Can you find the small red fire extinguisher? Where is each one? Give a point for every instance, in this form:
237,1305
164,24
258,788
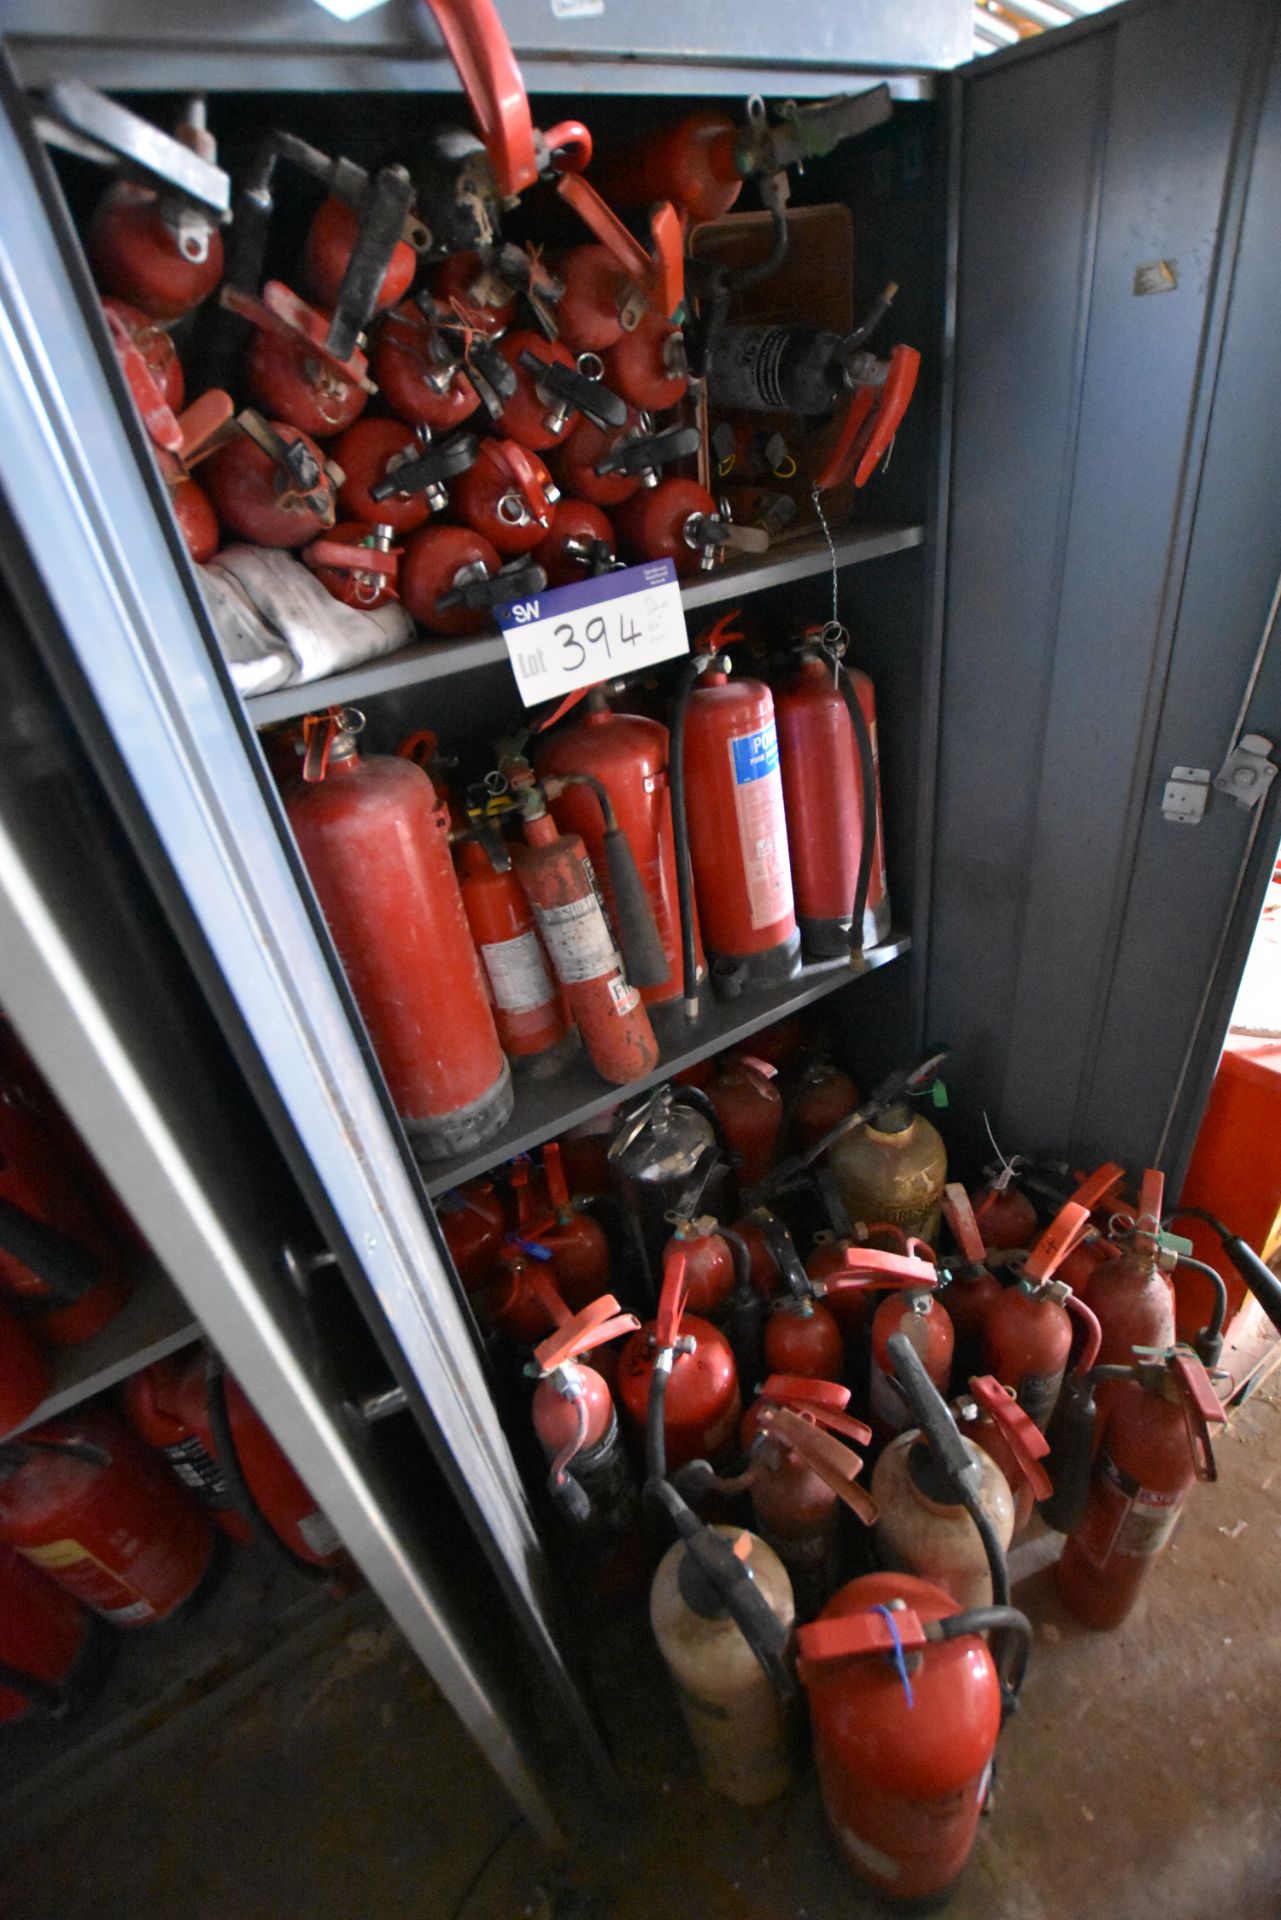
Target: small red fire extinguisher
972,1290
154,248
589,1475
506,496
907,1698
1133,1296
419,375
271,484
292,373
553,387
822,1097
85,1501
51,1651
56,1287
392,474
750,1110
529,1010
988,1414
189,1409
451,579
610,465
731,829
1029,1330
1006,1217
678,1384
376,845
678,520
473,1221
577,1243
649,366
331,241
1156,1446
579,544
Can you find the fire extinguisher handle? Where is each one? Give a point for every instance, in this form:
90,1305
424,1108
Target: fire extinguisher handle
783,1247
480,50
598,403
514,582
652,451
1024,1438
871,421
955,1459
444,461
660,275
382,222
1058,1240
960,1217
1098,1185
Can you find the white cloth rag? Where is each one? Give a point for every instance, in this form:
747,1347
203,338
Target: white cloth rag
277,626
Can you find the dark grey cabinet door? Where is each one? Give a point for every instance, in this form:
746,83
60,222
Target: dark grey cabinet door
1114,539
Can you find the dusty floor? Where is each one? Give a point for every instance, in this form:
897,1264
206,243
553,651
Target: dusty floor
1140,1780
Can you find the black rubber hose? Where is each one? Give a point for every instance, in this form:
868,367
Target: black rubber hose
655,1418
1015,1631
1199,1213
1209,1342
867,769
991,1546
741,1255
680,830
1257,1274
747,1311
65,1267
229,1461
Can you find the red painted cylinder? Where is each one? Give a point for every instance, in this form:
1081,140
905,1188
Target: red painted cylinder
1028,1339
463,280
376,845
629,755
437,560
804,1339
252,498
116,1531
519,1305
738,829
614,1025
667,522
574,463
506,496
167,1405
1006,1218
156,348
35,1177
473,1221
331,241
904,1775
44,1634
192,509
25,1374
691,163
371,451
782,1044
766,1277
289,382
528,1009
578,542
577,1243
750,1110
409,376
848,1306
824,1097
702,1409
589,312
536,422
709,1269
924,1320
648,367
824,800
1134,1302
1080,1266
135,255
971,1297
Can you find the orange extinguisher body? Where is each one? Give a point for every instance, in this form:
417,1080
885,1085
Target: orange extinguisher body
135,254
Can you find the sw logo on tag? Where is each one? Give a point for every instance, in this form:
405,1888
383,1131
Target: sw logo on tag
521,611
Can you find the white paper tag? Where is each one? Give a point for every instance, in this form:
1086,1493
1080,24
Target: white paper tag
576,636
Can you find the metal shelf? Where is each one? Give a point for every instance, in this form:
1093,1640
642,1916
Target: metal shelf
427,660
546,1108
156,1321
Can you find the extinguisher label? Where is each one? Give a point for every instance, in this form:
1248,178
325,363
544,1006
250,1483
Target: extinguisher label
1124,1518
762,826
83,1574
517,973
1038,1394
199,1472
578,940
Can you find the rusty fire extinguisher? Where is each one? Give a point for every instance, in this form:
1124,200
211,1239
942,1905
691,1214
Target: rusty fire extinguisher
907,1698
731,829
1156,1446
1133,1296
629,755
557,876
678,1384
971,1290
827,751
1029,1330
988,1414
376,845
529,1010
88,1504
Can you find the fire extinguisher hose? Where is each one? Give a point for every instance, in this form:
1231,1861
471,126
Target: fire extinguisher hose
565,1490
1257,1274
638,935
867,771
1209,1342
1013,1649
680,825
229,1461
656,1415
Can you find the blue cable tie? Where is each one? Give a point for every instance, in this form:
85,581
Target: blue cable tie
533,1247
900,1660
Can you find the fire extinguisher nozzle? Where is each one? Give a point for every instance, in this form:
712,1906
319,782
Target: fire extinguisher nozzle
646,962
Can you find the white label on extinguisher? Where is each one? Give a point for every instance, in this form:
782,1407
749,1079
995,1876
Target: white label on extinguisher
578,940
317,1529
762,825
517,973
574,636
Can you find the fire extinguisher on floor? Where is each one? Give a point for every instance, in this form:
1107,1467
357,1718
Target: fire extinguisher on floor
1029,1330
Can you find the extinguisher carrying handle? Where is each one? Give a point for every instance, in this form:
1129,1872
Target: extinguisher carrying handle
1052,1249
569,1494
440,463
660,276
480,50
868,1267
66,1268
651,451
783,1247
599,404
284,314
1011,1644
514,582
382,223
1023,1437
871,421
1095,1188
960,1217
835,1464
591,1326
729,1578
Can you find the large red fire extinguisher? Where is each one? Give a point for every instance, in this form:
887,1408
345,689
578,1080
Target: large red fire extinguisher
1133,1296
1156,1446
529,1011
731,829
630,756
558,882
828,758
50,1651
906,1698
189,1409
376,845
750,1109
589,1475
1029,1330
85,1501
678,1384
972,1289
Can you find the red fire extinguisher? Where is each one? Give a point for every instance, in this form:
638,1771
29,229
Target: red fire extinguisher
988,1414
473,1221
920,1316
750,1109
376,845
678,520
85,1502
418,373
800,1474
218,1448
61,1290
649,366
159,354
292,374
607,465
554,871
552,389
270,484
1006,1217
574,1418
597,299
390,474
506,496
709,1267
827,756
906,1698
803,1338
50,1653
578,544
685,1365
523,1303
577,1243
451,579
1133,1296
629,755
820,1100
1029,1330
1156,1446
529,1010
972,1289
469,283
731,830
331,241
153,249
356,563
1097,1192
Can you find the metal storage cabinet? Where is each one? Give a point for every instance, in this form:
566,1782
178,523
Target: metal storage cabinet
1069,590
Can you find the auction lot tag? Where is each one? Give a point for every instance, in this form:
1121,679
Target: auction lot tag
576,636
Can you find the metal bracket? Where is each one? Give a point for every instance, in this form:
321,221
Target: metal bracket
1185,796
1247,773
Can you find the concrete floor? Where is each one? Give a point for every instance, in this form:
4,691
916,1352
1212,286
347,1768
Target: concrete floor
1138,1781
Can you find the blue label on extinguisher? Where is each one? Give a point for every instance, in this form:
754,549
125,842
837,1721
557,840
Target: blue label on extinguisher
755,755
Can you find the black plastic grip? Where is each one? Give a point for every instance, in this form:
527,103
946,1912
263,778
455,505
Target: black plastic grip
599,404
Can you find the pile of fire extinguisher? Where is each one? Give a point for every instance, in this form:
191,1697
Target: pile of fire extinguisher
756,1235
114,1523
582,894
429,409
